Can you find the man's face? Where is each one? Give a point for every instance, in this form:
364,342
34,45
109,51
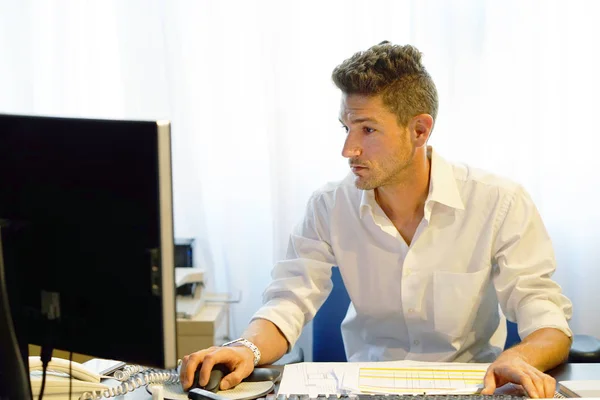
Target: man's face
379,151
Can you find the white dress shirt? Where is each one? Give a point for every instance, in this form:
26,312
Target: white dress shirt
481,244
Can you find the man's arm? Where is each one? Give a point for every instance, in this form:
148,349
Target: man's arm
525,261
524,363
544,349
268,338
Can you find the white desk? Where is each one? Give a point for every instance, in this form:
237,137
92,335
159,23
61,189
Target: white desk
566,371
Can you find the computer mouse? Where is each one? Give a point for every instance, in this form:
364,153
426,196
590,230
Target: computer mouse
218,372
263,374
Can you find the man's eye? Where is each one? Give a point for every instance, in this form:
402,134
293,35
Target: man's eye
368,130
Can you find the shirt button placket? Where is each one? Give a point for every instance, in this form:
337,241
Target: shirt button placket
410,299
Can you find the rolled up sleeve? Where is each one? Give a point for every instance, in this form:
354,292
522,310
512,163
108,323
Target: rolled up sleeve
300,283
524,264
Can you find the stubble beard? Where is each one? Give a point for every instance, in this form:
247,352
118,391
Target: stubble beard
395,175
364,183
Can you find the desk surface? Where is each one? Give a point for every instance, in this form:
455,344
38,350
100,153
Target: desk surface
567,372
563,372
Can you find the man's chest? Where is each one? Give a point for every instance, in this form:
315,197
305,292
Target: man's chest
375,259
407,229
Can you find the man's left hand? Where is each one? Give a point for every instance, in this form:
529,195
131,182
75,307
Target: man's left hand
514,369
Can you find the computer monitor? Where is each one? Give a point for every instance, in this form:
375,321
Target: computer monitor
87,236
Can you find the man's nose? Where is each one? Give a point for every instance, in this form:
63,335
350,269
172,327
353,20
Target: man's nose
351,148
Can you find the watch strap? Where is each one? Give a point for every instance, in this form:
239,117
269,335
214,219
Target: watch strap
248,344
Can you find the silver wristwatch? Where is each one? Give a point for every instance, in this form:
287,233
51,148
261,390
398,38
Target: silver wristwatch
248,344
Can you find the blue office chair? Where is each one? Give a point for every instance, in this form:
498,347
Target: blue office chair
327,336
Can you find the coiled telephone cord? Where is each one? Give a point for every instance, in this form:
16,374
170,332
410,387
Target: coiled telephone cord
141,378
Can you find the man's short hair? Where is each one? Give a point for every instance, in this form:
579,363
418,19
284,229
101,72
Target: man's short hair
396,73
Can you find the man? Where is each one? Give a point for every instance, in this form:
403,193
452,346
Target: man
427,249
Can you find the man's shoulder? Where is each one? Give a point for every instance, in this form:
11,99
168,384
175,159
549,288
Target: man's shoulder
471,177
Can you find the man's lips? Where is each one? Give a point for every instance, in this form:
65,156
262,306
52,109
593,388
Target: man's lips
356,168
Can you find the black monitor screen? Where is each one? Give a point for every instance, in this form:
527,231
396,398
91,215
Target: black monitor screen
87,235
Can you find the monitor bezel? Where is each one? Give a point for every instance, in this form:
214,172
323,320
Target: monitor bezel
167,243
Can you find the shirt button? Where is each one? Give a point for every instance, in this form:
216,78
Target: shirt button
411,310
416,342
407,272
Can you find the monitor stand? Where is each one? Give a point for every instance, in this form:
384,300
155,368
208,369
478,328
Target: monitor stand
14,379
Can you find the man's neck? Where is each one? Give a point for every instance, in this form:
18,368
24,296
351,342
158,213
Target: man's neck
405,201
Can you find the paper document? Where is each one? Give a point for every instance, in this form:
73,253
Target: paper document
419,378
316,378
404,377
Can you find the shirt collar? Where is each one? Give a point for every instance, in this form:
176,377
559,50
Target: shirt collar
442,188
367,201
442,183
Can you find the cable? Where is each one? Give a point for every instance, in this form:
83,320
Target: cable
146,377
45,356
43,381
51,312
70,374
128,372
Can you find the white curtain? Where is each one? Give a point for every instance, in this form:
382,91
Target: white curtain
247,87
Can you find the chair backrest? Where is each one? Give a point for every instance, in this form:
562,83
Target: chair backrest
512,334
327,335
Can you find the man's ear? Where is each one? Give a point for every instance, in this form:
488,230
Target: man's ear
420,127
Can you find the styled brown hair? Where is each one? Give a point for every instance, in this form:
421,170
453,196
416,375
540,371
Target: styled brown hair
396,73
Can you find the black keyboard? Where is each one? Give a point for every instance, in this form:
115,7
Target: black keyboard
404,397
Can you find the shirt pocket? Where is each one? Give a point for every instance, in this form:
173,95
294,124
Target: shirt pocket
455,298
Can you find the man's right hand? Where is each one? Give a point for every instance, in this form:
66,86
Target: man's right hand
238,359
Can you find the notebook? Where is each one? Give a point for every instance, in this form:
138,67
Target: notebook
589,388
